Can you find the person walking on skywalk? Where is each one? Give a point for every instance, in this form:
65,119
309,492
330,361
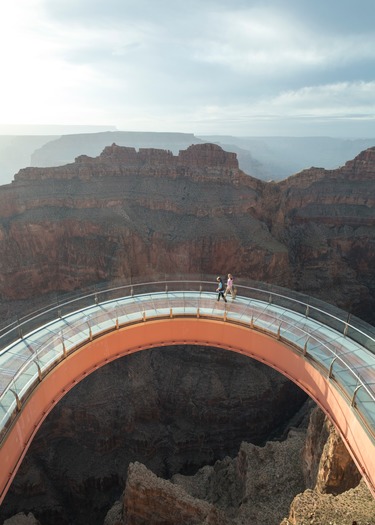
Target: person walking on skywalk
220,289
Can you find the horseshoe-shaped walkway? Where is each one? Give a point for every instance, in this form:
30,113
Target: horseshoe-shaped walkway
329,356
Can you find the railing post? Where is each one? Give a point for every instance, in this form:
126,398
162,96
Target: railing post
330,368
170,313
117,325
144,316
252,322
40,377
198,313
307,311
270,299
19,405
19,329
347,325
64,348
96,298
305,347
354,395
278,332
90,331
166,288
200,289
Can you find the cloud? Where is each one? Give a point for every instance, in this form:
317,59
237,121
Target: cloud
149,65
271,43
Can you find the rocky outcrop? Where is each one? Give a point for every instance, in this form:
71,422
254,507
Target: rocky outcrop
337,471
336,494
22,519
354,507
328,466
316,438
152,500
257,486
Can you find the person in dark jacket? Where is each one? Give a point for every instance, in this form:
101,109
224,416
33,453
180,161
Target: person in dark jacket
220,289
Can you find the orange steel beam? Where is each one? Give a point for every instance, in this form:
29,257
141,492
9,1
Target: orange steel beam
180,331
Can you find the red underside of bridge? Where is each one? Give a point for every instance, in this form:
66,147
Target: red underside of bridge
180,331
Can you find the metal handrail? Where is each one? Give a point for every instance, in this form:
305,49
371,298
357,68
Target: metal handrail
308,335
94,294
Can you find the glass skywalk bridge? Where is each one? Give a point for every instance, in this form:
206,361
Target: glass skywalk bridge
319,333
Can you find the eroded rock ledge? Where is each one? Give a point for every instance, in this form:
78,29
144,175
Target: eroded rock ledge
257,486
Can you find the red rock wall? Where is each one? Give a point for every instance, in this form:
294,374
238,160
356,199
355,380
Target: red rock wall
126,214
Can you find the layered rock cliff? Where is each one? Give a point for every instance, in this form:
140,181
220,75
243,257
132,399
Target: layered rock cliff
131,213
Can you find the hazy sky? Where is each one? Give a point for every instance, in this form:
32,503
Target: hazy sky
240,67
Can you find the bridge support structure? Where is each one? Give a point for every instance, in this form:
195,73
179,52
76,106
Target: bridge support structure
168,331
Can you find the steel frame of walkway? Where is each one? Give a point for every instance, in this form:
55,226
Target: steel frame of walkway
47,354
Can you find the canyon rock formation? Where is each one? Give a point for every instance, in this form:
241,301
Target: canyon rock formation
257,486
335,493
147,214
127,214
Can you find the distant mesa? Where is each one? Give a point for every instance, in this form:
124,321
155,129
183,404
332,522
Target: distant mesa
119,160
266,158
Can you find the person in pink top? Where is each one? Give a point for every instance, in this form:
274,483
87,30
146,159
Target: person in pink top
229,288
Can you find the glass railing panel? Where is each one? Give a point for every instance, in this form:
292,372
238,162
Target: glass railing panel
76,305
102,319
121,308
8,400
289,304
8,405
237,316
327,320
365,404
13,361
49,353
344,376
359,365
18,346
366,340
363,356
25,378
293,334
69,336
319,352
103,326
263,323
124,307
6,378
4,417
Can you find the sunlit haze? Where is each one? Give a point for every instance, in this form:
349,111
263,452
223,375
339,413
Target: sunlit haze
240,67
